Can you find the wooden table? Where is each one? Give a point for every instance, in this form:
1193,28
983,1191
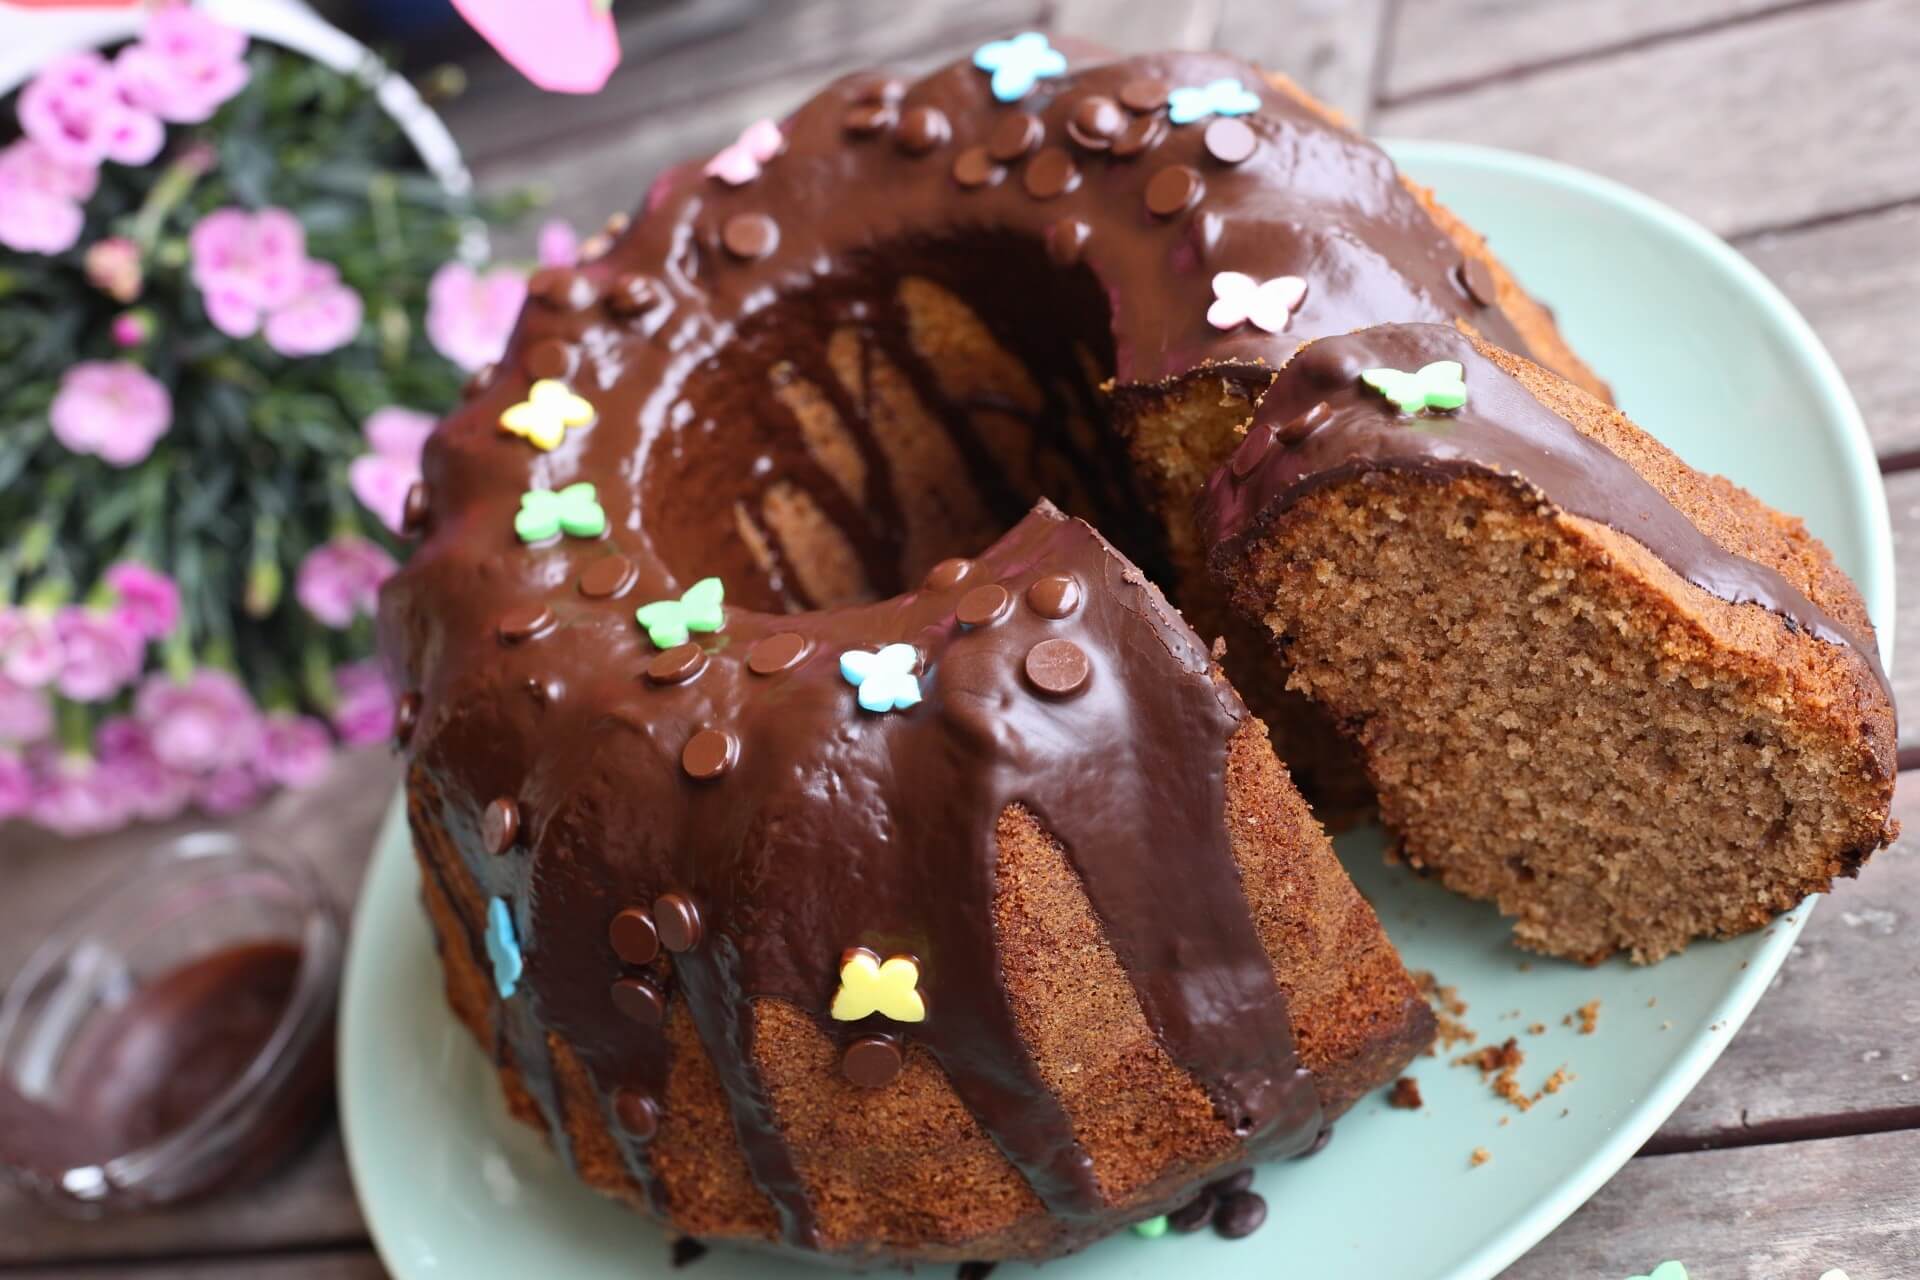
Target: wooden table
1792,127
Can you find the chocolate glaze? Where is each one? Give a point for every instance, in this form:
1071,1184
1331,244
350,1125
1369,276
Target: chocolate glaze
836,827
1297,447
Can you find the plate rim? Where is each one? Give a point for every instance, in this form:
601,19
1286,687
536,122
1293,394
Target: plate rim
1729,1012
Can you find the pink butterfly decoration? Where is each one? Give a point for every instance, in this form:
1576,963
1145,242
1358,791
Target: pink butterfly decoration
1269,304
740,163
563,46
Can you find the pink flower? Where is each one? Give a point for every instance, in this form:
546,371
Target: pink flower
145,600
113,267
559,246
382,478
154,792
99,654
363,712
73,108
295,750
16,786
74,796
247,264
202,724
112,408
184,65
29,647
39,198
341,578
323,316
470,316
132,328
228,791
25,717
564,46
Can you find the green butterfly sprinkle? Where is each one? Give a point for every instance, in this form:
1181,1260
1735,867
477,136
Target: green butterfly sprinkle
668,622
1152,1227
1440,385
1665,1271
574,510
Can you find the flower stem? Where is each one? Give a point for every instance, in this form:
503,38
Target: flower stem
175,182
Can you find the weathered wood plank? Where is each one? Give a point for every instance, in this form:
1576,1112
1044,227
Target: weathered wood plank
1858,283
1903,502
1798,115
349,1264
1437,43
1836,1041
1131,27
1757,1213
1330,47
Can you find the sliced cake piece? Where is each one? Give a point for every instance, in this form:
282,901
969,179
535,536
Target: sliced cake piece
1628,702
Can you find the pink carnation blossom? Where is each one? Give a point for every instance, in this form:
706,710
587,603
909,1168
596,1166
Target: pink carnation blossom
112,408
40,195
381,479
25,717
184,65
99,654
74,109
146,600
228,791
16,786
323,316
559,244
470,316
341,578
29,647
247,264
363,713
295,750
132,328
113,267
73,795
153,791
202,724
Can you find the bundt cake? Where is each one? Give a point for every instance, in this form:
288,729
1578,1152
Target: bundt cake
841,853
1629,703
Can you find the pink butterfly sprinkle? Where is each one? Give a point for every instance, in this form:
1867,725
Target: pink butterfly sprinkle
740,163
1269,304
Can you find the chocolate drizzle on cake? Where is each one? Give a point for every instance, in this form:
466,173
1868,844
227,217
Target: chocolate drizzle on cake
1502,430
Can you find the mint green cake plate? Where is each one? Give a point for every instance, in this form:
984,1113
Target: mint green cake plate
1704,353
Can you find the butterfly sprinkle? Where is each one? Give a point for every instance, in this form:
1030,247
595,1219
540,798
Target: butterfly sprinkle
740,162
503,948
1440,386
1018,64
1267,304
573,510
885,680
543,417
868,985
1224,97
670,622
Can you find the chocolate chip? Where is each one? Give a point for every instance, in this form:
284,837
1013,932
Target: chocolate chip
948,574
1145,94
562,288
524,623
1192,1216
1240,1215
1476,278
500,826
478,381
1252,450
607,577
640,1000
1050,173
708,754
687,1251
872,89
975,168
638,1114
1096,121
1067,240
872,1062
680,663
983,604
406,718
678,921
633,936
868,119
1232,1183
1141,134
413,516
1302,425
1054,596
1015,135
1058,668
775,653
631,294
1229,140
1172,189
550,358
750,235
922,129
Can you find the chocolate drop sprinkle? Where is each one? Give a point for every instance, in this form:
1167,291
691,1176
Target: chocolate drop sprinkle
633,937
1050,174
672,666
500,826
